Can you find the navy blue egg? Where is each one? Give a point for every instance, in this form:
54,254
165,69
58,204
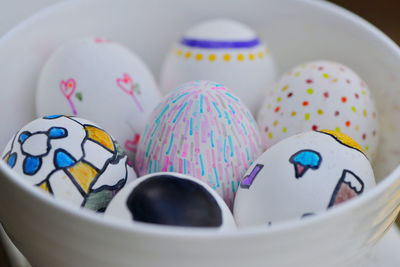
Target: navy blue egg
170,200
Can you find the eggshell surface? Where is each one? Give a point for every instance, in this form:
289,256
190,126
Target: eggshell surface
70,158
320,95
226,51
203,130
301,176
171,199
101,81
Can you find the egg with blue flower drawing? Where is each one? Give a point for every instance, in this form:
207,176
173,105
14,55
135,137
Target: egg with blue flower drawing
226,51
301,176
201,129
70,158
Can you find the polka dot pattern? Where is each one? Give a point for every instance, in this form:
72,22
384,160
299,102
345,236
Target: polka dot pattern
320,95
193,54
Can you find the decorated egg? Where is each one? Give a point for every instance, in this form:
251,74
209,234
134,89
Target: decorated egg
171,199
226,51
320,95
101,81
70,158
203,130
301,176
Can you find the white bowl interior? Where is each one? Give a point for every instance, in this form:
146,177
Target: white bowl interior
295,31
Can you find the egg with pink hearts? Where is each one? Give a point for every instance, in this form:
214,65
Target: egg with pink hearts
102,81
320,95
301,176
70,158
226,51
171,199
201,129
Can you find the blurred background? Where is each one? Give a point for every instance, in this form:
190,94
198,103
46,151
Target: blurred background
383,14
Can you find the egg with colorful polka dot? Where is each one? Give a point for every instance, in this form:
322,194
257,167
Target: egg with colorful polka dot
320,95
302,176
226,51
70,158
102,81
201,129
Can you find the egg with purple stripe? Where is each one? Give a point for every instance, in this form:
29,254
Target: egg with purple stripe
203,130
226,51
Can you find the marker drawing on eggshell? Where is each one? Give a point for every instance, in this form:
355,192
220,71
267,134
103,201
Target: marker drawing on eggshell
248,179
131,144
68,88
304,160
349,186
127,85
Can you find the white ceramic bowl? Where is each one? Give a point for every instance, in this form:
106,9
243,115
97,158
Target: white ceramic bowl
55,234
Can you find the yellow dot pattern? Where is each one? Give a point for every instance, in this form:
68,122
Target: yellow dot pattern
252,56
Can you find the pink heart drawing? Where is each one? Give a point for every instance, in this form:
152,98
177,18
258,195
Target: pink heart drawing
126,84
68,87
131,145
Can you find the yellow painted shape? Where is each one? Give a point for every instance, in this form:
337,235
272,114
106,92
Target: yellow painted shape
353,108
297,74
212,57
307,116
227,57
325,75
83,174
251,56
199,57
320,112
100,136
188,54
310,91
270,135
284,129
293,113
179,52
285,88
344,139
275,123
44,187
260,55
240,57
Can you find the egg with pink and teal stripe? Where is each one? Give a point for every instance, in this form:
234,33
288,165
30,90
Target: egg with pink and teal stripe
203,130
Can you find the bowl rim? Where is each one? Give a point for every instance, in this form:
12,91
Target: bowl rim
198,233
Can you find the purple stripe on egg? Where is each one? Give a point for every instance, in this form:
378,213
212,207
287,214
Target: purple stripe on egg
209,44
